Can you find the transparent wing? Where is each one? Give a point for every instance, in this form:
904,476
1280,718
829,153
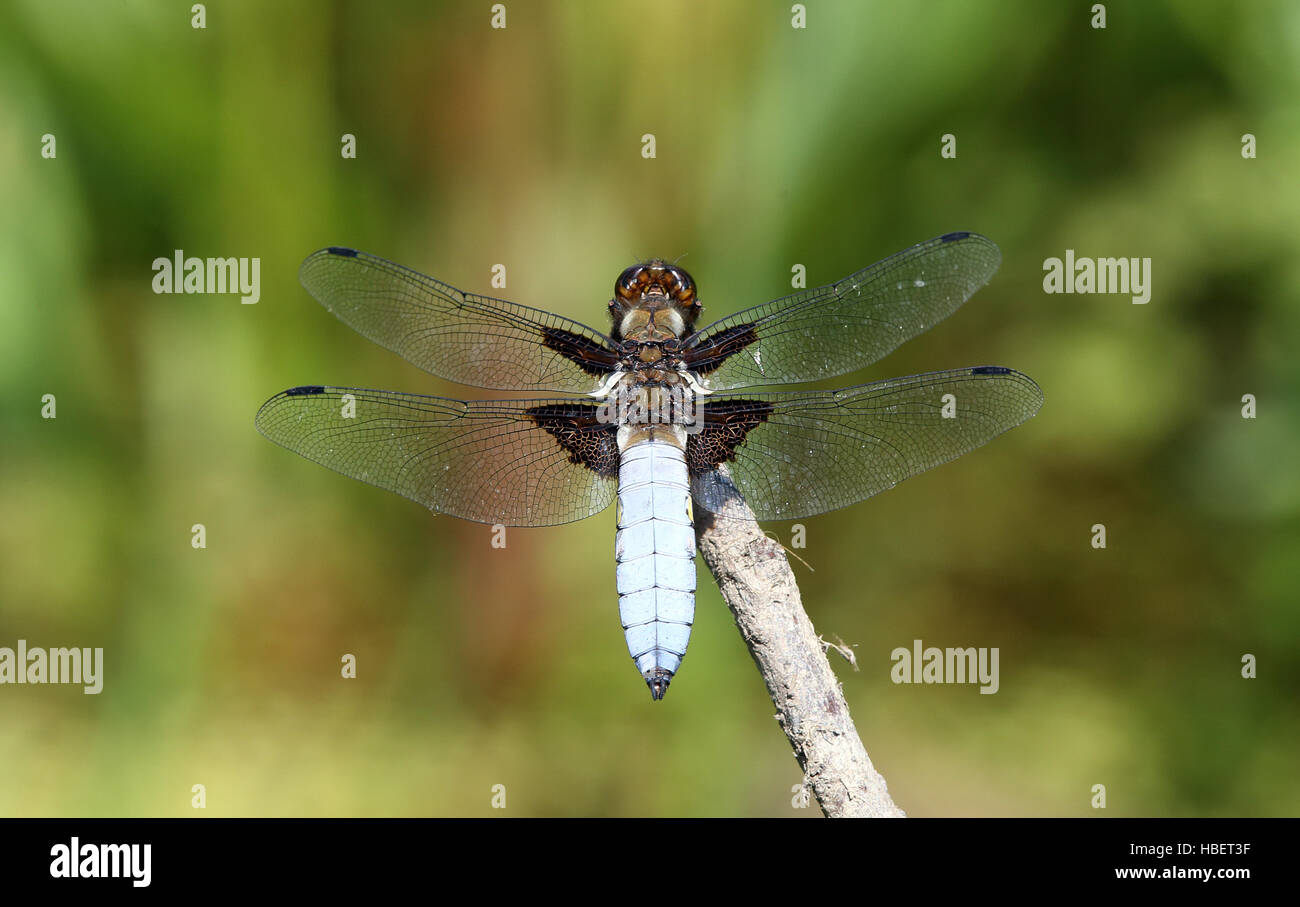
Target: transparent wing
515,462
458,336
794,455
842,327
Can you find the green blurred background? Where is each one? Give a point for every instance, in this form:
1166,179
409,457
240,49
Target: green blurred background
521,146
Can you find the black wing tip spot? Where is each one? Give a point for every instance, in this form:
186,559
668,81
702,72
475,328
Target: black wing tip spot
306,390
342,251
1029,384
953,237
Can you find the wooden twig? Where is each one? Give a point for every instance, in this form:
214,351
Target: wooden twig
758,585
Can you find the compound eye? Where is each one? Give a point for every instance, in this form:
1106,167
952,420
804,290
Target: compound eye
629,282
683,286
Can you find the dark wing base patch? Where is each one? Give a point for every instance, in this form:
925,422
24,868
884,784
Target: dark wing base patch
726,424
593,358
575,427
710,354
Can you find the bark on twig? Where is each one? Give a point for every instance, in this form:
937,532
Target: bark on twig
758,585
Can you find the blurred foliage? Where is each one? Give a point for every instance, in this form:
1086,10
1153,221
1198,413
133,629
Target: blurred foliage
522,146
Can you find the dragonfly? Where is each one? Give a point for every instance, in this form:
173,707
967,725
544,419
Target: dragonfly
654,413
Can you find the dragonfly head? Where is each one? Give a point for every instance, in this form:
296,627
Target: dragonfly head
654,299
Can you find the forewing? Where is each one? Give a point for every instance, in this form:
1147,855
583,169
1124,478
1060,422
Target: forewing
794,455
842,327
514,462
454,335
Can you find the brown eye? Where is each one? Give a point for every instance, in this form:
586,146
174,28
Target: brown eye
626,285
683,285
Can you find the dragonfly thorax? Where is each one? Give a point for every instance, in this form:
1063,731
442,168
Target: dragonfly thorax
666,410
